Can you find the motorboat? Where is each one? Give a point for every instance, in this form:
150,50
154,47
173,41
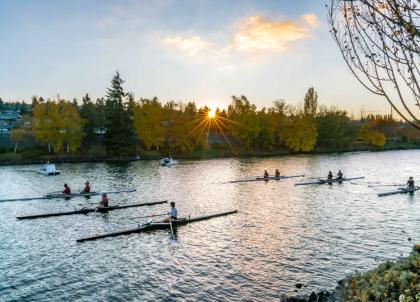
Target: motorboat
49,169
167,161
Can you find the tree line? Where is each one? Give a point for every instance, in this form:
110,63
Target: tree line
118,125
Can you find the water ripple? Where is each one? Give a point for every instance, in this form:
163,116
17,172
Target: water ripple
283,234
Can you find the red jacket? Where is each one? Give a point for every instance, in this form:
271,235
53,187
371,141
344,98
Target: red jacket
104,201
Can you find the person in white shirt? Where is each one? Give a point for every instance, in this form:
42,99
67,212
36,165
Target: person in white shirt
173,214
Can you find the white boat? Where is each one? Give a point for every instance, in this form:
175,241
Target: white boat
49,169
167,161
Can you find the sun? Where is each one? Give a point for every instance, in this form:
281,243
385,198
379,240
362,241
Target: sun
211,113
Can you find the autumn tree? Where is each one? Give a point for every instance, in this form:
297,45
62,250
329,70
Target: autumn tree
310,103
148,116
244,122
119,136
373,138
16,135
46,124
300,134
57,124
266,138
185,127
71,128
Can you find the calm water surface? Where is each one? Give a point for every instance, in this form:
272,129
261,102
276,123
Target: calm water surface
283,234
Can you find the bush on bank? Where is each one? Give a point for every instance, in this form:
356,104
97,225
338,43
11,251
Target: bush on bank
390,281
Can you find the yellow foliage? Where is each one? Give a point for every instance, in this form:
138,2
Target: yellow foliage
300,134
373,138
57,124
147,123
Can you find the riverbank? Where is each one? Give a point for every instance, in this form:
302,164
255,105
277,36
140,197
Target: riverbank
38,156
390,281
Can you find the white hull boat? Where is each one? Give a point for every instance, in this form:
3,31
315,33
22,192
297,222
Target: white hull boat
167,162
49,169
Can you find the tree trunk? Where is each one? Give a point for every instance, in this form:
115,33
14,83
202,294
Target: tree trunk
49,148
68,148
16,146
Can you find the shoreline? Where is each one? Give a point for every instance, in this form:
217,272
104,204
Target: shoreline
389,281
60,159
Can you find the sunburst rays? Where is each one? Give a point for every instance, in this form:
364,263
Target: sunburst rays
210,121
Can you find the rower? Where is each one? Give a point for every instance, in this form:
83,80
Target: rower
173,214
410,183
340,175
87,188
330,176
66,189
266,174
104,201
277,173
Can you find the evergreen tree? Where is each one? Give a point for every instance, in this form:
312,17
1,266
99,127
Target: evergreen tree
24,108
100,115
87,112
119,136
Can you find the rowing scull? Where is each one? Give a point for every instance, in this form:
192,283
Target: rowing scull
324,181
400,191
156,226
86,211
261,178
66,196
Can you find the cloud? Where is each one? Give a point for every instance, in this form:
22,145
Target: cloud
258,33
311,19
190,46
253,34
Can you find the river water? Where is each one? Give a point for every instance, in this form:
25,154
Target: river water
282,235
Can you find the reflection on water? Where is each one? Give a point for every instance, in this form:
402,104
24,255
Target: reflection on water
283,234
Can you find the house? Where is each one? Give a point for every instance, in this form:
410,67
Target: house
8,121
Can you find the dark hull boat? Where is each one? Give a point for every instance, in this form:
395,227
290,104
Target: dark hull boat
86,211
156,226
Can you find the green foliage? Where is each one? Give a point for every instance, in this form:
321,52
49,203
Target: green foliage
335,129
300,134
96,152
112,124
244,121
390,281
310,103
187,128
88,113
119,135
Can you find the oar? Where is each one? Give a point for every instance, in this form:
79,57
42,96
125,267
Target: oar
149,216
393,185
173,241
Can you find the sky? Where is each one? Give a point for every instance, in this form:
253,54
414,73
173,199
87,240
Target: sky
186,50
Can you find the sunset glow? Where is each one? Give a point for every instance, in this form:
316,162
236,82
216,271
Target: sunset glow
211,113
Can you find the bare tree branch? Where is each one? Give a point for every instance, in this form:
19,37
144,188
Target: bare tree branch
380,42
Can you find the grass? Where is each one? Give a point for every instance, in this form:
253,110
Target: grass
390,281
